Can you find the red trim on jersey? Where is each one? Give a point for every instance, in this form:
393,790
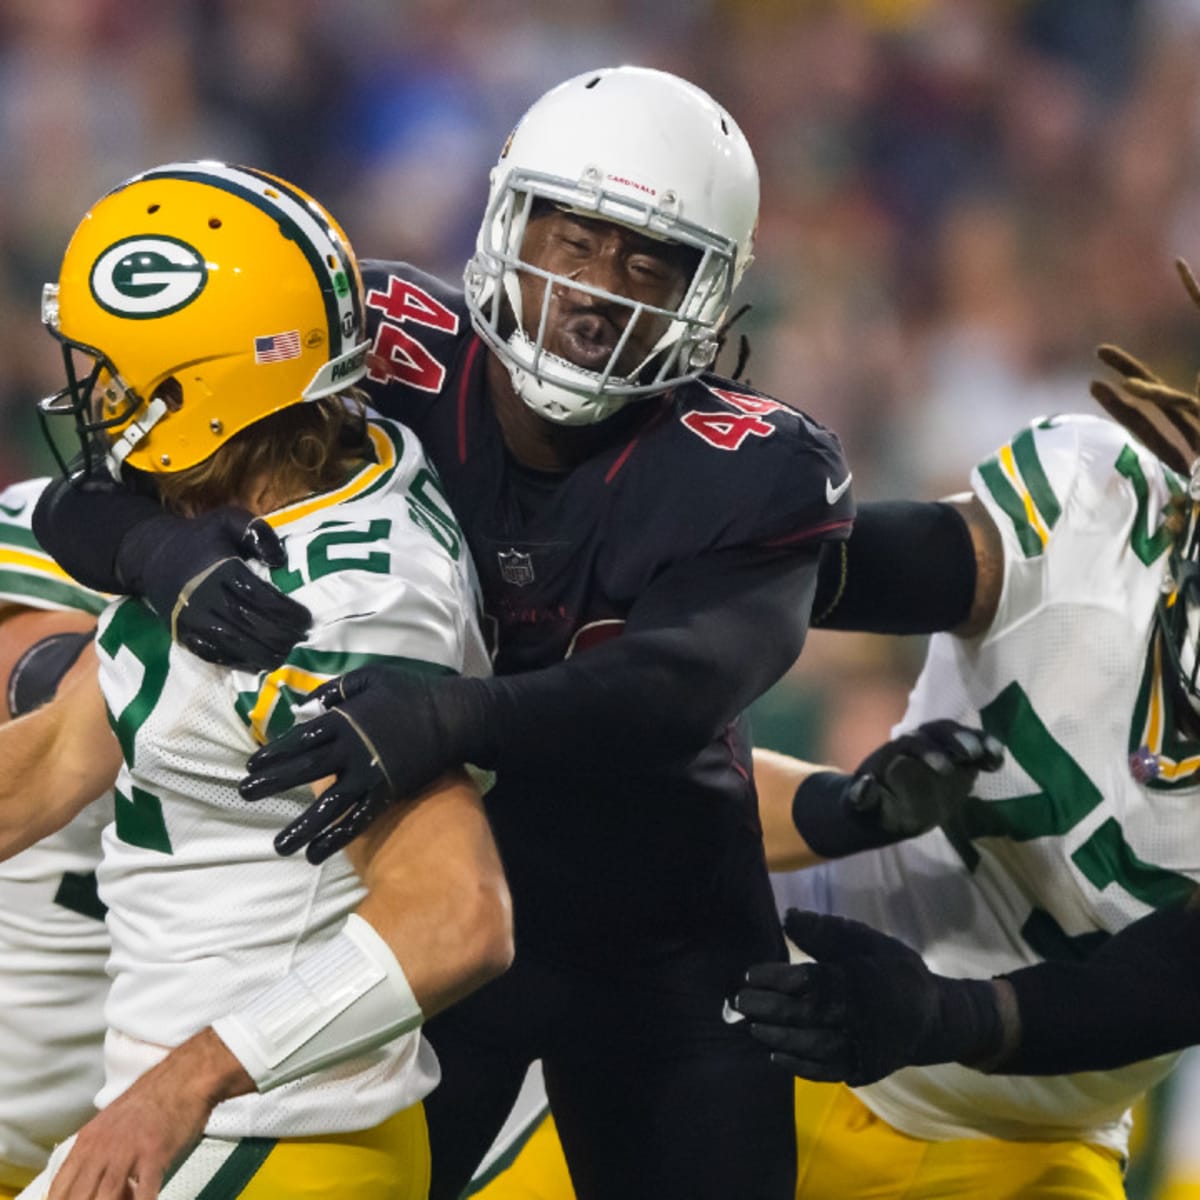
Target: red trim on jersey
805,534
727,738
472,354
622,458
608,475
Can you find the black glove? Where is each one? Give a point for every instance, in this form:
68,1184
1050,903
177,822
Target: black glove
866,1008
902,789
388,734
190,571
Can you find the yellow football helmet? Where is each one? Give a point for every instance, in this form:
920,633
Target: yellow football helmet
195,299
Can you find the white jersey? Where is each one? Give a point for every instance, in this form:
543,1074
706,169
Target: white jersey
204,915
53,944
1062,846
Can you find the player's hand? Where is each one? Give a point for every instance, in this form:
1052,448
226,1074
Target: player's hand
128,1147
918,780
1165,418
386,735
190,571
867,1007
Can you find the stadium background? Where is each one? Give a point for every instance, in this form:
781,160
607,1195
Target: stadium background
961,198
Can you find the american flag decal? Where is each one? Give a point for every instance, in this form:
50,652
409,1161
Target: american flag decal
277,347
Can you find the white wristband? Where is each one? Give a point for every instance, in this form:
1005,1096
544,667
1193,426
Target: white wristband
348,998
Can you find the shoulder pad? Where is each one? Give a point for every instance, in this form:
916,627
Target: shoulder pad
786,473
1028,483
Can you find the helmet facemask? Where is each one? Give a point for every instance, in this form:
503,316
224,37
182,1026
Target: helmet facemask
96,400
561,390
642,150
1177,614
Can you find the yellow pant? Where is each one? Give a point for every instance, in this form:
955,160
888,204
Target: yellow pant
844,1150
388,1162
538,1172
1178,1187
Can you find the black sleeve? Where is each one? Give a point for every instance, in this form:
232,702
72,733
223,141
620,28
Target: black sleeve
81,524
908,567
708,637
1136,997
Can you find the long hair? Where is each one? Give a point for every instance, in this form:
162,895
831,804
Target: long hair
304,448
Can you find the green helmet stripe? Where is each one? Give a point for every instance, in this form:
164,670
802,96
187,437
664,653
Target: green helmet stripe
298,222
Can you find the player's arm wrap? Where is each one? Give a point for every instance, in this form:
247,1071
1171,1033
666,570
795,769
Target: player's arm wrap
83,525
1136,997
37,673
908,567
347,999
705,639
829,823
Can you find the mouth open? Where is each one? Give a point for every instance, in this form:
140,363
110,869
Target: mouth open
587,340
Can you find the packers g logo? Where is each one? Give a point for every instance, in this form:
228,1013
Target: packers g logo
147,276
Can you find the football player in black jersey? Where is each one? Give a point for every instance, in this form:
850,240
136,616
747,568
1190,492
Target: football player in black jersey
647,535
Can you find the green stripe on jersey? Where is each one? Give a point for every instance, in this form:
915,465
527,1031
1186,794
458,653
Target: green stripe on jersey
1025,453
19,584
1005,495
338,662
19,535
1146,545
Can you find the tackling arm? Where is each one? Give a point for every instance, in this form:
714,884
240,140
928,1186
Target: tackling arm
869,1005
708,637
913,567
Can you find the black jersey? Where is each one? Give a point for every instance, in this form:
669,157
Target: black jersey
697,479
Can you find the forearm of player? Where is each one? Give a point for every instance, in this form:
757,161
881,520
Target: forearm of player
776,778
913,567
57,760
436,891
1136,997
436,923
706,639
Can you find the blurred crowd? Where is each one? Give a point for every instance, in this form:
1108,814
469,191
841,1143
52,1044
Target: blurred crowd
961,198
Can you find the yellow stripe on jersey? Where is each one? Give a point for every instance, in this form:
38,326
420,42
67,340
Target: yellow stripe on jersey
288,676
30,560
1009,463
386,459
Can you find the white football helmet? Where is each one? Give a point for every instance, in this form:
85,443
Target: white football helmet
641,148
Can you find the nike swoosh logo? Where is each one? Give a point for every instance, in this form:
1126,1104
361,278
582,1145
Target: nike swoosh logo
14,510
730,1015
834,494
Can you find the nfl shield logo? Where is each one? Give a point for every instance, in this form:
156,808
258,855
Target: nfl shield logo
515,568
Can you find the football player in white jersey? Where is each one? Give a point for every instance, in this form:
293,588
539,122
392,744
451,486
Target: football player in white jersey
262,1022
1079,860
53,943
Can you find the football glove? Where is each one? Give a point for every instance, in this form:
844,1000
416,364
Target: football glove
1164,418
867,1007
190,571
385,735
900,790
